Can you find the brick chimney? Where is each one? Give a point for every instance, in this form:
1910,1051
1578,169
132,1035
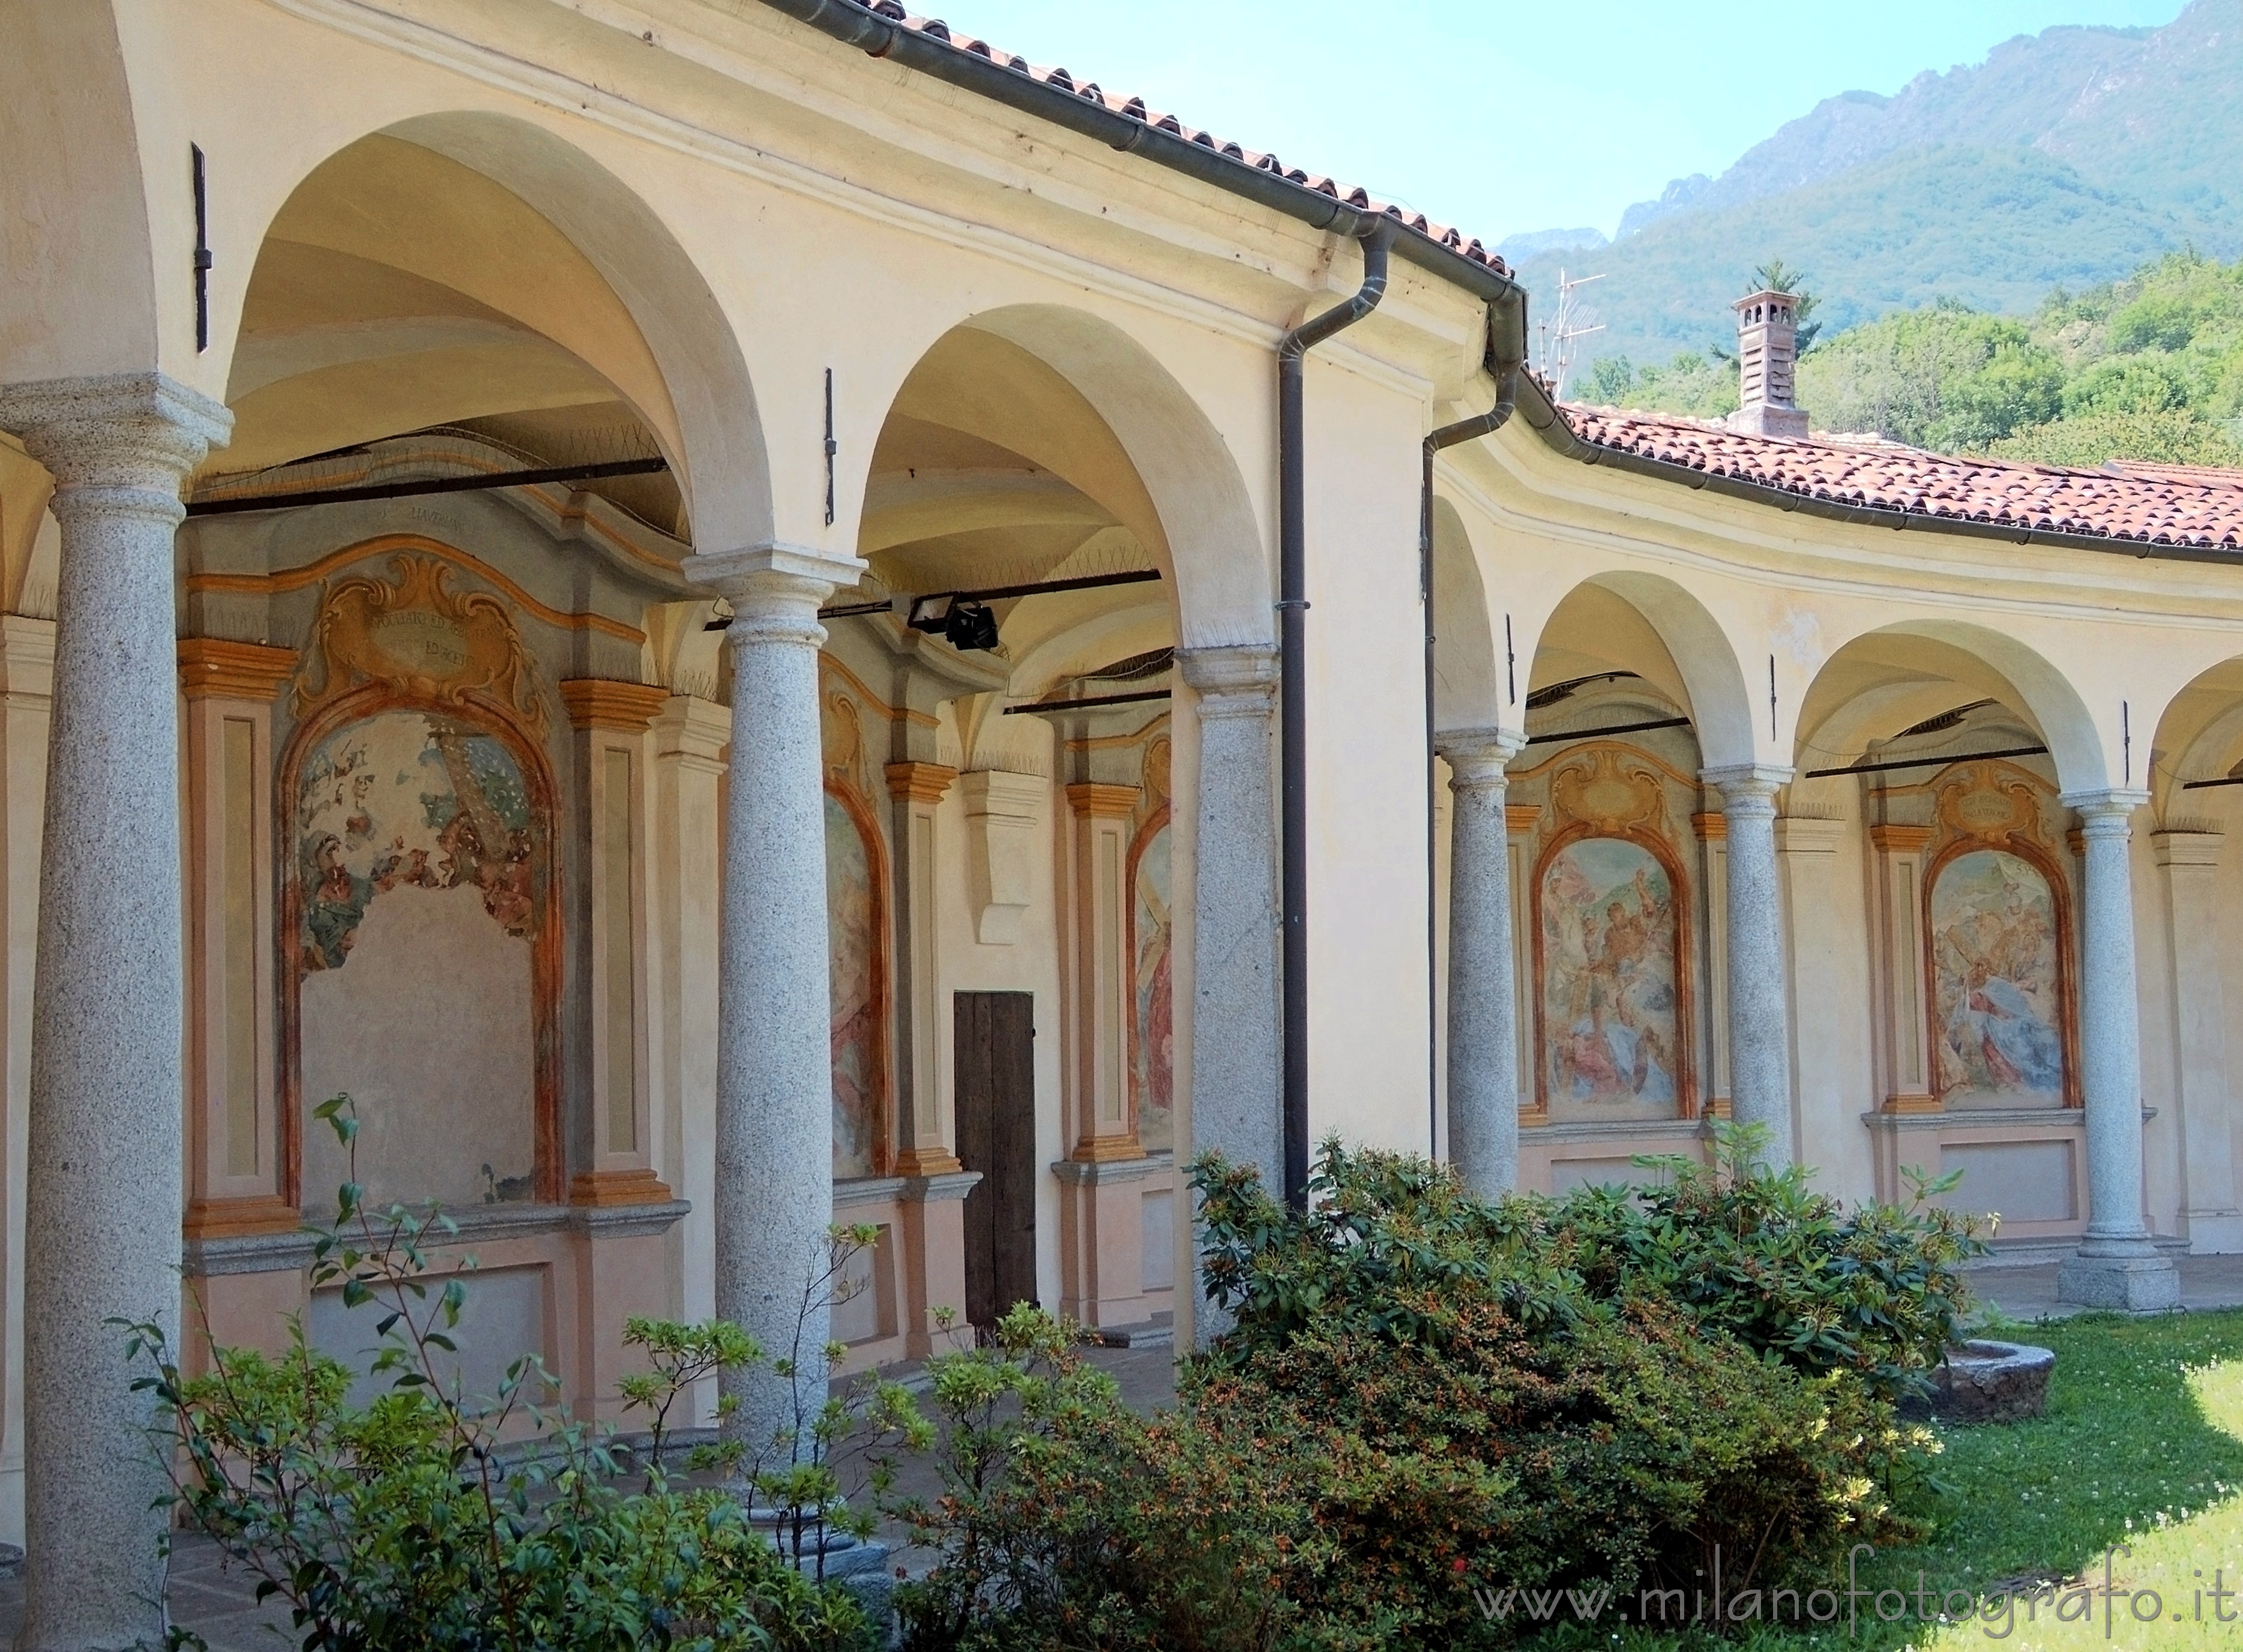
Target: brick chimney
1767,353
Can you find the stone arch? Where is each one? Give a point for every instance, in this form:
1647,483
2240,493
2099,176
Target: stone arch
1177,487
1471,670
1916,669
2199,738
81,298
1703,661
682,369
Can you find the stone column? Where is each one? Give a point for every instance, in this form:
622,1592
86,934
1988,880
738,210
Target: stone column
1759,1041
2117,1266
102,1207
774,1169
1483,1002
2191,861
1236,1034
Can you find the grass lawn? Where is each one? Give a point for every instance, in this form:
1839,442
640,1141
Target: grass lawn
2142,1448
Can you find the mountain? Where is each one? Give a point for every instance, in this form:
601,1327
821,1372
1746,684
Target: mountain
1516,249
2066,159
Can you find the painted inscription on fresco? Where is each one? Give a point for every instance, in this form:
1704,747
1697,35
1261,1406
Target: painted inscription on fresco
851,940
1996,1014
1152,1053
1609,999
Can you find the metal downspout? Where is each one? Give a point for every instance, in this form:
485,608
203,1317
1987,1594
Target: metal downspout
1506,354
1293,690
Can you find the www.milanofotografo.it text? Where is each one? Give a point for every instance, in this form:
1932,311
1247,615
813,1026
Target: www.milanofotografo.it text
2103,1601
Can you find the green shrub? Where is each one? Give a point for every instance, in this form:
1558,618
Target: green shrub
428,1519
1392,1243
1424,1396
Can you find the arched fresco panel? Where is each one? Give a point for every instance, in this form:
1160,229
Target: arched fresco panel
1610,997
1996,984
422,863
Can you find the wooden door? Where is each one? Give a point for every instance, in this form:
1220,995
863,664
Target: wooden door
996,1110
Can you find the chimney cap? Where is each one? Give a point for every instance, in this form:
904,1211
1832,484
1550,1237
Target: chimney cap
1750,298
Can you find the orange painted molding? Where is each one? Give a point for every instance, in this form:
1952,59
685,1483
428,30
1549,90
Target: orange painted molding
214,668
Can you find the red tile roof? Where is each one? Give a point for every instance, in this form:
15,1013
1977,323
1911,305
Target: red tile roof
934,28
2145,504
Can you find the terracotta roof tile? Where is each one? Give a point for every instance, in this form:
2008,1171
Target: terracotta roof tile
2145,504
936,29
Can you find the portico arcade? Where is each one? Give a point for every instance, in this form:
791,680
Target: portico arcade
660,892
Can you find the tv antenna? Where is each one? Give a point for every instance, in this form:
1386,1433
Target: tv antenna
1575,320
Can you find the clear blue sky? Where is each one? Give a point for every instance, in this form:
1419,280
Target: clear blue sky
1497,116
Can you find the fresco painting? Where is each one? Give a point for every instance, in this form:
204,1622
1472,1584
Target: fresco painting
1996,1006
1609,1003
421,863
853,940
410,799
1152,1051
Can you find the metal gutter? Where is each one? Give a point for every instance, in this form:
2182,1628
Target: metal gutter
1560,437
854,23
1503,357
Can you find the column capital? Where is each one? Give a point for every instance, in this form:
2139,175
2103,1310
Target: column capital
1809,835
602,703
135,430
1738,782
1092,801
774,588
688,726
1238,680
1900,839
2104,810
921,783
1476,757
215,669
2190,847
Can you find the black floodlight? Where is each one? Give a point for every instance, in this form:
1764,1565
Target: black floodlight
970,627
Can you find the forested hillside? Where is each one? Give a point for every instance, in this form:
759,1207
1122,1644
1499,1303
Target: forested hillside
2147,368
2067,157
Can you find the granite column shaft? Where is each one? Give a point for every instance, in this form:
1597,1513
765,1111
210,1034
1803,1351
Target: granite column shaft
1482,1007
103,1203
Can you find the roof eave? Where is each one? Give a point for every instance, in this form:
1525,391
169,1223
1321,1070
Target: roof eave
854,23
1542,415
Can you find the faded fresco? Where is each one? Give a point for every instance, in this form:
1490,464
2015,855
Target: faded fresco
421,866
1609,997
853,942
1996,1016
1152,1051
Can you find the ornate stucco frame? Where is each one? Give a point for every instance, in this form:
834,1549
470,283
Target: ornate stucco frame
2017,832
1592,810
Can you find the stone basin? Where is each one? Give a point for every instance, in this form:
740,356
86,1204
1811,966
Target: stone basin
1988,1381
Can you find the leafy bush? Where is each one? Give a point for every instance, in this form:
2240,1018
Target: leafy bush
428,1519
1393,1244
1423,1395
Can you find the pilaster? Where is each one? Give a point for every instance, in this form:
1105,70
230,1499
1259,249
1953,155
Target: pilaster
915,791
613,1142
2190,861
238,1148
1896,940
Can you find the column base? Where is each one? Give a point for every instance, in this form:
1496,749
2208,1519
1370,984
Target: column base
2128,1284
